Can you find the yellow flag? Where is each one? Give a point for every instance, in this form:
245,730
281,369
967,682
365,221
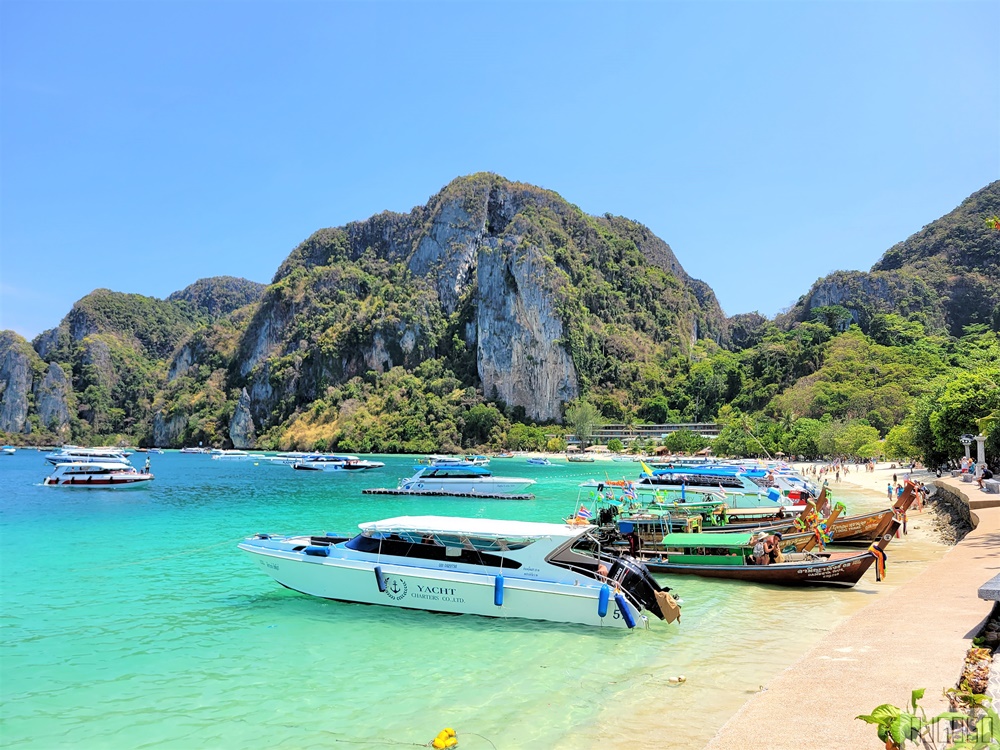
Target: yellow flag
645,469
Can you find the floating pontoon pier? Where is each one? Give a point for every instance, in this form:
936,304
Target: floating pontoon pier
438,493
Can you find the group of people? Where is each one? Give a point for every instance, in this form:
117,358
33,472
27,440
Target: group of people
767,549
980,471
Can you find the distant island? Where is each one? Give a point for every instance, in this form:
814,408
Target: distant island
500,316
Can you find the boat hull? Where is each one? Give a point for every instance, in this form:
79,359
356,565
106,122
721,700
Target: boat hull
842,571
99,483
433,590
866,527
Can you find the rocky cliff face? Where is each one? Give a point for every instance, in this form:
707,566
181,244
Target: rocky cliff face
241,427
520,356
865,295
53,395
168,430
506,268
16,375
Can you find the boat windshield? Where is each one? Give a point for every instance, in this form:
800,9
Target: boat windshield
455,472
427,547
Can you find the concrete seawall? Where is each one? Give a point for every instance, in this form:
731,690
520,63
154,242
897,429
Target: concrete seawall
916,636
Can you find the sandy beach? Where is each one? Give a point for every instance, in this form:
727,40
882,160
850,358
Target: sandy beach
914,637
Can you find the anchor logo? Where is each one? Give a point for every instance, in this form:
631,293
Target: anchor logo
395,588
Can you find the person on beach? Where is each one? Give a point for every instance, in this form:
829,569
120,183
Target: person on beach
767,549
987,474
888,490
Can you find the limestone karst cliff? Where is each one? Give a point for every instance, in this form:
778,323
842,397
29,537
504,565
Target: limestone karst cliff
494,301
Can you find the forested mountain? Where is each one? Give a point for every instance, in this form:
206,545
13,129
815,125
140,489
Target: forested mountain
945,276
471,319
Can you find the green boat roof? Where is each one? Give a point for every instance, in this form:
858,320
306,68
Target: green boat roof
681,539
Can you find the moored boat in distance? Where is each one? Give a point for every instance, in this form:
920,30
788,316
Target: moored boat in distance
96,475
233,455
579,458
536,571
462,478
439,460
75,454
539,462
8,450
194,450
325,462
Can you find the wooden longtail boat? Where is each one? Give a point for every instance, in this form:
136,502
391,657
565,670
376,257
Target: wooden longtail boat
865,527
655,533
731,556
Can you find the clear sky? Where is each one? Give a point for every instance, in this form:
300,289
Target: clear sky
144,145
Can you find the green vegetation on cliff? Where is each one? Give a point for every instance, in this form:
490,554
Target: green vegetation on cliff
475,320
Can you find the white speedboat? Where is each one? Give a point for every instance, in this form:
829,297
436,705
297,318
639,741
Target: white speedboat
75,454
8,450
335,463
96,475
536,571
194,450
289,458
463,478
539,462
221,455
437,460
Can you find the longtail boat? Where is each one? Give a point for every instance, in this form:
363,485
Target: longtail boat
730,556
655,532
865,527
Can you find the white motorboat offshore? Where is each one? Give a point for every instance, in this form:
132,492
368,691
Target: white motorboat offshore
73,453
96,475
288,458
463,478
536,571
539,462
222,455
438,460
8,450
194,450
335,463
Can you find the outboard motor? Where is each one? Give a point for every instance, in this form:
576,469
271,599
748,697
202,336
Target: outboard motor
632,577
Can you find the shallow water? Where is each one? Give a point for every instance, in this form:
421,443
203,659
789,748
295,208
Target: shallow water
131,620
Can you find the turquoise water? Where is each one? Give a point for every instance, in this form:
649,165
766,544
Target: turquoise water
130,620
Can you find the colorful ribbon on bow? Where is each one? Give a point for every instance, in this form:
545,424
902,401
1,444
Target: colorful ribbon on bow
881,558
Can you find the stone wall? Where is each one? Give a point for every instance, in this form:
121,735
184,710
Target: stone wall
947,495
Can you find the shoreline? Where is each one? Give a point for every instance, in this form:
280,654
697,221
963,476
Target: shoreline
915,636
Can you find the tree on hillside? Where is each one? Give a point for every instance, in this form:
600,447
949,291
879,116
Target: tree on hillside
582,418
684,441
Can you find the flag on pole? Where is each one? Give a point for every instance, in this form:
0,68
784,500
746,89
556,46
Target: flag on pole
583,512
645,469
629,491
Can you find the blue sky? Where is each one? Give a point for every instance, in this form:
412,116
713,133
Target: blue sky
146,145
